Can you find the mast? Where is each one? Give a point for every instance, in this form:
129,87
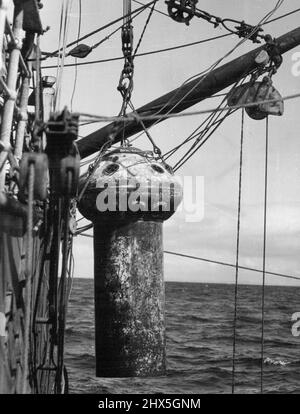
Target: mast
187,95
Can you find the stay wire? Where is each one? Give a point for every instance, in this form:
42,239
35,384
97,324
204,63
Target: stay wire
264,258
76,67
217,262
100,29
144,29
155,51
237,255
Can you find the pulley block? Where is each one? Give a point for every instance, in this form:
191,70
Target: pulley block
69,175
40,162
182,11
81,51
261,91
64,159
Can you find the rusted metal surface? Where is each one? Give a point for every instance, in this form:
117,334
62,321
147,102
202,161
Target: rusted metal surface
129,300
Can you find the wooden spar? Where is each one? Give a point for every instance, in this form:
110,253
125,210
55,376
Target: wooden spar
9,105
187,95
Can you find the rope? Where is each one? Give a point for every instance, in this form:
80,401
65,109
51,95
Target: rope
262,21
76,68
237,255
100,42
152,52
100,29
156,149
63,34
213,120
28,290
264,257
202,259
251,269
144,29
132,117
283,16
156,10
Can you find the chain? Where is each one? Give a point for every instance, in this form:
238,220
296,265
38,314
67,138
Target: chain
125,86
183,11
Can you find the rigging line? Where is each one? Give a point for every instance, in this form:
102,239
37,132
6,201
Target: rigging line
132,117
264,257
200,135
212,67
210,120
59,46
76,68
193,135
282,16
83,228
100,29
61,57
152,52
251,269
156,149
237,255
191,151
172,151
156,10
115,31
279,3
213,122
179,165
201,79
217,262
144,29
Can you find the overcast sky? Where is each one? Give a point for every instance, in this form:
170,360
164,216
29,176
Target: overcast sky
214,237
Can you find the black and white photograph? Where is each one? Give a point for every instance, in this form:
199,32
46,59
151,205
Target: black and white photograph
149,201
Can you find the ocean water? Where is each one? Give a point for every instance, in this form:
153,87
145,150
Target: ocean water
199,320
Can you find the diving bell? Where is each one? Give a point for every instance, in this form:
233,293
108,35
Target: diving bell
127,198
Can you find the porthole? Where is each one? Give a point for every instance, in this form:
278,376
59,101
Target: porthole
110,169
157,168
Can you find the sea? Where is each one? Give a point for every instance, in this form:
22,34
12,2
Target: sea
199,321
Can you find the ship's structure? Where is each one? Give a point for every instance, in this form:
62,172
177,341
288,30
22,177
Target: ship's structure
41,188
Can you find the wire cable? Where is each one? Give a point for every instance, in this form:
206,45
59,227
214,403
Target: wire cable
152,52
100,29
76,67
237,255
132,117
264,257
